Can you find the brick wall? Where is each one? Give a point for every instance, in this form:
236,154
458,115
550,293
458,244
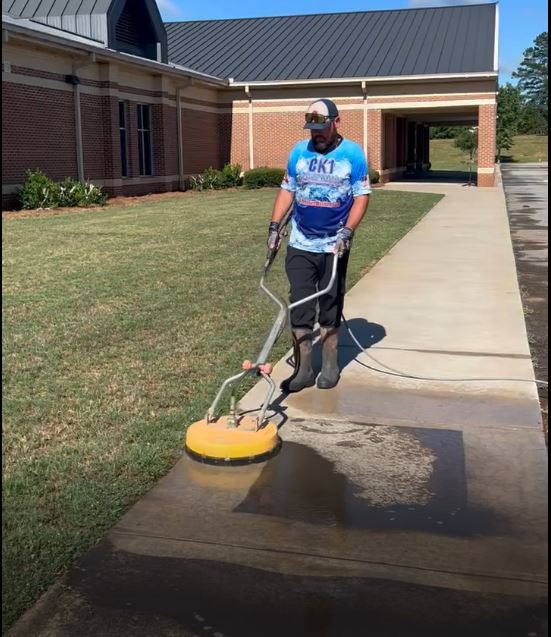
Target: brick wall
164,140
486,144
375,139
237,125
275,134
200,131
38,131
351,125
100,134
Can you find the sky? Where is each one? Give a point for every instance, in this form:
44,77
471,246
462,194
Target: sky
520,20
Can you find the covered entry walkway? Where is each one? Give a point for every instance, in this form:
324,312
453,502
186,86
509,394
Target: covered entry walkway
405,144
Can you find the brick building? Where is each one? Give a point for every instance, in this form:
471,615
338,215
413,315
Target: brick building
102,90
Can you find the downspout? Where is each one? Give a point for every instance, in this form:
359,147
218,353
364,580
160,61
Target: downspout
364,92
75,81
251,140
180,141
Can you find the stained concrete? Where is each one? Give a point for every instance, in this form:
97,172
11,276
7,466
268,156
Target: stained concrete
396,508
526,191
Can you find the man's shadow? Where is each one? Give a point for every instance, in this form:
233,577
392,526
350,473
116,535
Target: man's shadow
364,335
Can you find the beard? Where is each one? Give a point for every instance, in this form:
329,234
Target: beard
321,143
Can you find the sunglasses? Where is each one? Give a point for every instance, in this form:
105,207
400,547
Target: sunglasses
317,118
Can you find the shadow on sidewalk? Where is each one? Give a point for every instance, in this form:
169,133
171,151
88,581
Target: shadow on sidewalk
366,333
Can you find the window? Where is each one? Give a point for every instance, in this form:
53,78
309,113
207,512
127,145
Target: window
123,139
144,138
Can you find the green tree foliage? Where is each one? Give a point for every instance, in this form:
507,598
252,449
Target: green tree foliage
509,109
467,141
532,72
533,121
532,77
444,132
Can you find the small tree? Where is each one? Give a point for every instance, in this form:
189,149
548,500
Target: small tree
509,108
467,141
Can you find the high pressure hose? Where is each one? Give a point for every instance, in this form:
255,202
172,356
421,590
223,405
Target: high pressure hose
399,374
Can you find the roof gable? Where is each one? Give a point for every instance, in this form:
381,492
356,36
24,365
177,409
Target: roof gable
131,26
429,41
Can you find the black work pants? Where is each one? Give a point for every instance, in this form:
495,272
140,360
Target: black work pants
309,272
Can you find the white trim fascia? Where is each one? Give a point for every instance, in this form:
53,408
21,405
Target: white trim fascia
358,98
371,80
371,106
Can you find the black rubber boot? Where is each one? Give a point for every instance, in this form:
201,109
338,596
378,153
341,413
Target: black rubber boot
330,373
303,376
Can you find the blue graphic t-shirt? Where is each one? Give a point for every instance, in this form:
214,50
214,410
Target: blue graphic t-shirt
324,186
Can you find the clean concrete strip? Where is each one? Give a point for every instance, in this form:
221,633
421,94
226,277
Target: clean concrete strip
444,303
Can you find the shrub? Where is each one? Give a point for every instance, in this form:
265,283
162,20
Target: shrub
231,176
212,179
374,176
92,196
69,193
196,182
38,191
263,177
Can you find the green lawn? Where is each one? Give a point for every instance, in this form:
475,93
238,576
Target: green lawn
526,148
119,324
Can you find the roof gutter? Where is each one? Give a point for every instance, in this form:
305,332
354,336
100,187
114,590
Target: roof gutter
370,80
109,54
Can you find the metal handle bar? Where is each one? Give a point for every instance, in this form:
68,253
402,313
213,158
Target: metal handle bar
275,332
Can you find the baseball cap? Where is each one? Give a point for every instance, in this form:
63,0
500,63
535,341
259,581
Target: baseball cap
324,108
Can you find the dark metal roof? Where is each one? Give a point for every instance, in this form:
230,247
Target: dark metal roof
339,45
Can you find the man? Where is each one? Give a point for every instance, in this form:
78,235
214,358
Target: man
327,184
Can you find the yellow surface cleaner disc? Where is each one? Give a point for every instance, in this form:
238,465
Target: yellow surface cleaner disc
218,443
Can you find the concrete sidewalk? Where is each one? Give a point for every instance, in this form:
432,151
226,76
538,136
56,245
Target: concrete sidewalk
443,303
396,508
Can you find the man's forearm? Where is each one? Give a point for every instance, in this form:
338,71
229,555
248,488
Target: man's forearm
283,202
357,211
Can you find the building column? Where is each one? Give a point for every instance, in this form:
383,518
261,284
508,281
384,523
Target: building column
486,144
375,139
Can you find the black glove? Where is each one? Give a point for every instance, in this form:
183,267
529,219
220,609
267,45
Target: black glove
344,239
274,238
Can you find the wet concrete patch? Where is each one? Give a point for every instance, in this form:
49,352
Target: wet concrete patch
527,205
115,593
371,477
